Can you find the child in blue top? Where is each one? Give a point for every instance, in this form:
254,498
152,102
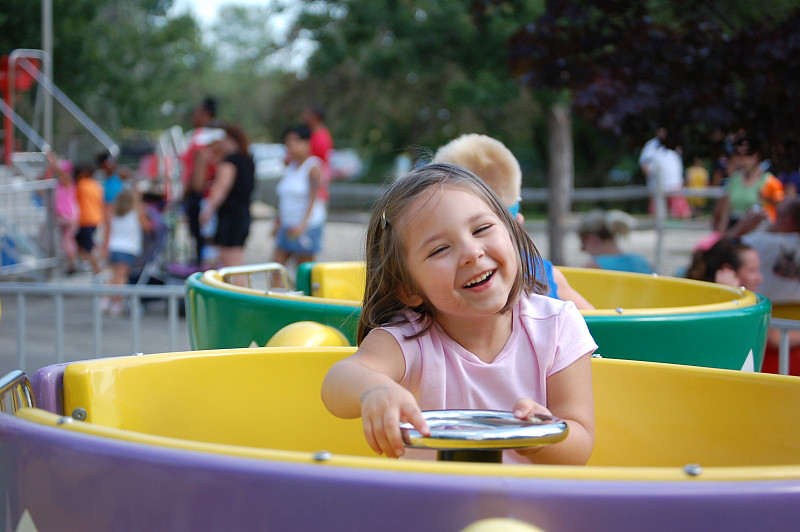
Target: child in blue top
599,230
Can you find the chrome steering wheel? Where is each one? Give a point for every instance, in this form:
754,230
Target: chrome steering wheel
482,435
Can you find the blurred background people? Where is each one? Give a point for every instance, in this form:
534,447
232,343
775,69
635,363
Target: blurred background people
301,211
66,209
198,168
321,145
89,194
748,187
778,248
229,195
599,232
649,150
788,167
665,173
125,235
697,178
114,180
730,262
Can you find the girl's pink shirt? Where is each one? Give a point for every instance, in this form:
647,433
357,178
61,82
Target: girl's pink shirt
547,336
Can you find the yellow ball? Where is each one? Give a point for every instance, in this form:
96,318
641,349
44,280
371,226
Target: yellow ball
308,334
501,524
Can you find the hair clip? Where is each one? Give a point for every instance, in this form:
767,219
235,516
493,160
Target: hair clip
383,220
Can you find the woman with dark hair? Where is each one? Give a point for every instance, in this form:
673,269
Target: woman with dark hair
302,211
229,195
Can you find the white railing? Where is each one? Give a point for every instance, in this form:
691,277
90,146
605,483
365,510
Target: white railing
784,326
21,58
43,331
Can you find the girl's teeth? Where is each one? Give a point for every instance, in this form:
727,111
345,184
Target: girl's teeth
476,281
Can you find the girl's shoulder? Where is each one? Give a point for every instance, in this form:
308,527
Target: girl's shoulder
539,307
406,322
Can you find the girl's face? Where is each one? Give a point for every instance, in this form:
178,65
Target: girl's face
750,273
459,253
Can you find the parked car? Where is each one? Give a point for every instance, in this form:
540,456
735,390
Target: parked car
270,160
345,164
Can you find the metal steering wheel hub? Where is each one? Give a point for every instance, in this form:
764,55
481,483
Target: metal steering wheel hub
483,430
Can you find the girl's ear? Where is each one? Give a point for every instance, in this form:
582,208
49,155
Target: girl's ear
407,297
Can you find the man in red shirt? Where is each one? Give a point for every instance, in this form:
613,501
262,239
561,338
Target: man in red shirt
198,169
321,144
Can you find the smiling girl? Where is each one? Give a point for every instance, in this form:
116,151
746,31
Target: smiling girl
453,318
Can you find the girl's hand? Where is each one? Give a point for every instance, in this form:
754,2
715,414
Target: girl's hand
523,409
526,407
383,408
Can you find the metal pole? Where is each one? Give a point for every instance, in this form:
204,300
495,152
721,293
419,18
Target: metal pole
172,310
60,328
21,333
47,46
783,352
136,322
98,326
661,216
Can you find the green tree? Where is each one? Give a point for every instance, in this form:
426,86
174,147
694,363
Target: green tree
400,74
692,66
119,60
248,77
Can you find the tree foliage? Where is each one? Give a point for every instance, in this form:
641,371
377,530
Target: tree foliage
119,60
695,67
399,74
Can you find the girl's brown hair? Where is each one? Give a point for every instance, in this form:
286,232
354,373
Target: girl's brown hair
386,270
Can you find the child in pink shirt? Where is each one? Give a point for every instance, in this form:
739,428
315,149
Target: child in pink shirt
453,318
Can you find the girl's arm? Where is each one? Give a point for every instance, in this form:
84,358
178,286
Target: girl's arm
224,178
366,384
569,397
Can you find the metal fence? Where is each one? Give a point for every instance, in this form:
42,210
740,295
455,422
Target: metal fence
55,323
47,323
27,228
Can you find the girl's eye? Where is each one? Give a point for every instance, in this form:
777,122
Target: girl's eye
437,251
481,228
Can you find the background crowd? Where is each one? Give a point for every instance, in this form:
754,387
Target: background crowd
109,219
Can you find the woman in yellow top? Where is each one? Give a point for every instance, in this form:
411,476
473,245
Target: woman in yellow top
697,177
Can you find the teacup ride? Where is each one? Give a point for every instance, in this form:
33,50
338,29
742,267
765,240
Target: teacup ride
637,316
240,440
